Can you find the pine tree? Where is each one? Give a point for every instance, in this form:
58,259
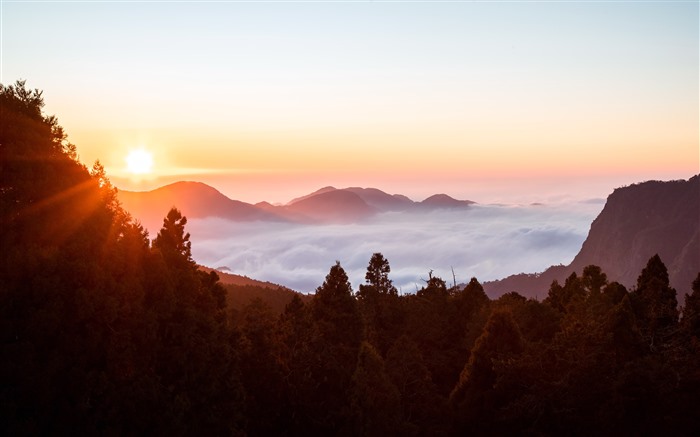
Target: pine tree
334,347
691,310
626,338
379,304
173,242
474,397
593,279
377,278
654,300
298,360
421,406
376,403
572,293
260,369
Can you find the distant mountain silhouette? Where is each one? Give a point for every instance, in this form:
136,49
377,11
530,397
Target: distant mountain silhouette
380,200
193,199
338,206
445,201
326,205
637,222
315,193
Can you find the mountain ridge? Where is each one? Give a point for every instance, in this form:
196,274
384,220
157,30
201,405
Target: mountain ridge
325,205
637,222
193,199
444,201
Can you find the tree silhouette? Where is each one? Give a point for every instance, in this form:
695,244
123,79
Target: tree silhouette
376,407
260,369
428,315
334,348
377,277
173,242
593,279
105,332
474,397
297,338
379,304
614,292
691,310
654,300
572,293
69,317
421,406
626,338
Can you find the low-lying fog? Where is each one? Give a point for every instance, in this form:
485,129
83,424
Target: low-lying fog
486,241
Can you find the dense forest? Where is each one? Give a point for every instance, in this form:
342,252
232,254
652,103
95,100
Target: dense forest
104,330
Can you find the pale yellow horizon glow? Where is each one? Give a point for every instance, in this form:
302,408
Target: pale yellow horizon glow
417,96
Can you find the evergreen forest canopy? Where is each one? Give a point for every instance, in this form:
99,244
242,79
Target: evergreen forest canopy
104,331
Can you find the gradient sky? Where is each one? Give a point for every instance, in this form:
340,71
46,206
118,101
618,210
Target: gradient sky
266,101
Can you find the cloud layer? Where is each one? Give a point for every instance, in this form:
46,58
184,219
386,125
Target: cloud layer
488,242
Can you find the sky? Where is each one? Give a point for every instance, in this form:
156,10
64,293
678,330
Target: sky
488,101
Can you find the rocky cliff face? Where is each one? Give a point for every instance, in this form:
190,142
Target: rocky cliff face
637,222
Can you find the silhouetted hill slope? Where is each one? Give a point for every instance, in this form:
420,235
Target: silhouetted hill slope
238,296
330,204
241,290
637,222
317,192
402,198
193,199
264,205
233,279
380,200
326,205
338,206
445,201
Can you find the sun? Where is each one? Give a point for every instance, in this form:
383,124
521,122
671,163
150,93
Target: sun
139,161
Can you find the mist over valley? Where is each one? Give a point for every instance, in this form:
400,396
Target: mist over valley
294,244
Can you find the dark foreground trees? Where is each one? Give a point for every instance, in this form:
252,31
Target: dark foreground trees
100,331
104,332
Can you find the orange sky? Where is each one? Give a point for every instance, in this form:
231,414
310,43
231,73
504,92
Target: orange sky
265,102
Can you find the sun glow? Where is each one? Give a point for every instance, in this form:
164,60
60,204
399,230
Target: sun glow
139,161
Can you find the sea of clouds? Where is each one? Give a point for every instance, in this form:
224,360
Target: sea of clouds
483,241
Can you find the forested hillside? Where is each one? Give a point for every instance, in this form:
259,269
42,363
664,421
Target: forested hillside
105,331
102,330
